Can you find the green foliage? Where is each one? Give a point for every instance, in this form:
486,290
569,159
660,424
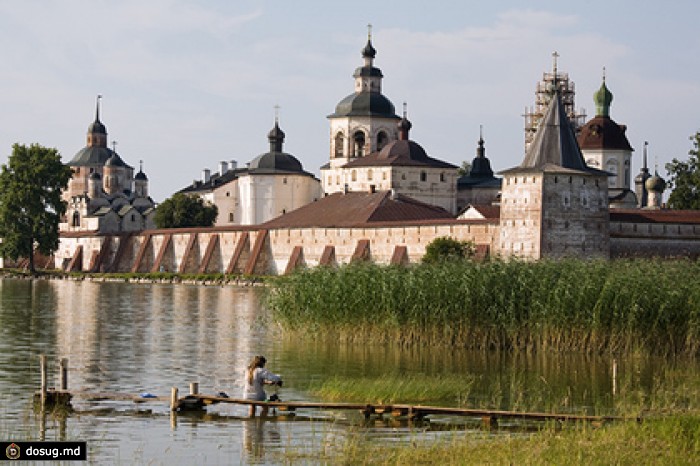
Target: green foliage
181,211
591,306
464,169
395,388
448,249
685,179
672,440
30,201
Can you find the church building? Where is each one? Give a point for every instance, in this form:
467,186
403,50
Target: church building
103,194
605,146
271,185
370,149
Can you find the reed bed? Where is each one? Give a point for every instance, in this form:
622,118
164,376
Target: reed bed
674,440
570,305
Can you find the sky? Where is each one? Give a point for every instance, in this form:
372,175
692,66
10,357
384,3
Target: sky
187,84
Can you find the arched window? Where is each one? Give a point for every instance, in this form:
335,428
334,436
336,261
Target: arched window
230,217
339,142
382,140
359,144
76,219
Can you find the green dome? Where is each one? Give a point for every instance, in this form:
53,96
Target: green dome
603,98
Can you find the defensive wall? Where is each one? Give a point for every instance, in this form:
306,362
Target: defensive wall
252,250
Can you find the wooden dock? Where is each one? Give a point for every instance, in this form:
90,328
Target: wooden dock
196,401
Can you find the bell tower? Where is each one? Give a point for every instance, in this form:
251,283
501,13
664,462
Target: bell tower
363,122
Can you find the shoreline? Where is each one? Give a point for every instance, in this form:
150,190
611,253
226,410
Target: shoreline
142,278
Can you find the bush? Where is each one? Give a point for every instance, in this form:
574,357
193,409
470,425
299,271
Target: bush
448,249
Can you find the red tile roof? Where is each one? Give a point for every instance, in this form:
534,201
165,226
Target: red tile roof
357,208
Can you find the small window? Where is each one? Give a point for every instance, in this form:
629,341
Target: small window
284,180
76,219
442,177
230,217
133,217
423,176
369,175
353,175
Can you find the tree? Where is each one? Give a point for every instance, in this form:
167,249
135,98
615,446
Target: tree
685,179
182,210
445,249
31,206
464,169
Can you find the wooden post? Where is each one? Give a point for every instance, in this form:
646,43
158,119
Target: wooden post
173,399
194,388
614,377
64,374
42,368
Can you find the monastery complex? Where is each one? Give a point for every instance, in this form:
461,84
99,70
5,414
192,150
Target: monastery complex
381,197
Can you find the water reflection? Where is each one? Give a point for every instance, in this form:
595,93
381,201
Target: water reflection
136,338
152,337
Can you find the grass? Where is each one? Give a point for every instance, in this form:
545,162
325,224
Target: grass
395,388
572,305
664,441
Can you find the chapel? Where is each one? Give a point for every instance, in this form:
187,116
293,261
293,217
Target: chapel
103,194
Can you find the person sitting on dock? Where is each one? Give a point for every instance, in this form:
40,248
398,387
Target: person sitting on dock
256,377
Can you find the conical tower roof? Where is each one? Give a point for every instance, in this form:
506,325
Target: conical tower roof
554,147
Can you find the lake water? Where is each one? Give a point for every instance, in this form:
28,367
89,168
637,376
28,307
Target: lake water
136,338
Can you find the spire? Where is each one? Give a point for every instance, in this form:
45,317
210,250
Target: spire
404,125
603,98
555,85
481,167
645,167
480,151
96,127
97,107
369,52
276,135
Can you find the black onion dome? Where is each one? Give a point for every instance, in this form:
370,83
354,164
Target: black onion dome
365,104
275,133
368,51
141,176
95,176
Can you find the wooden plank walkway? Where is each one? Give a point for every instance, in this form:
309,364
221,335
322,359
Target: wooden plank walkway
196,401
412,412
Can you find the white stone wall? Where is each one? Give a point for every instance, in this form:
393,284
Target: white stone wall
521,216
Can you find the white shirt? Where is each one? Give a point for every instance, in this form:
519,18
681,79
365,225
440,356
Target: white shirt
255,390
